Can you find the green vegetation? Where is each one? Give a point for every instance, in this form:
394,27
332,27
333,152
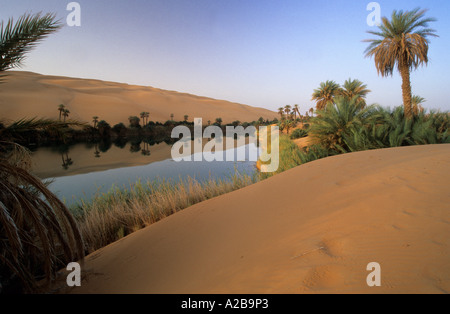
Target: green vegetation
298,133
290,156
344,127
329,91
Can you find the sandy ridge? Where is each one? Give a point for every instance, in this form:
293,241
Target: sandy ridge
312,229
27,94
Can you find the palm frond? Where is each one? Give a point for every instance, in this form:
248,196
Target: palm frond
39,233
17,39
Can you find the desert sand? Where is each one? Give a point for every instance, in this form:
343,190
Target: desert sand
29,95
313,229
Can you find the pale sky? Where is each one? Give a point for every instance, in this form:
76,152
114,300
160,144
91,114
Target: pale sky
264,53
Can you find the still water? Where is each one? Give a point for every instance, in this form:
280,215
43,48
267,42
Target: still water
80,171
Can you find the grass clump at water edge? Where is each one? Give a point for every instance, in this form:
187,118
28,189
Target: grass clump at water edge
109,217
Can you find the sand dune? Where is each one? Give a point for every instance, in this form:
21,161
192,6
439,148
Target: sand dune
26,94
313,229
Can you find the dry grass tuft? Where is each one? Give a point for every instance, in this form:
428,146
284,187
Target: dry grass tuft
113,215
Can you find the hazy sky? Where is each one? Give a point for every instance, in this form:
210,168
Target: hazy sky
265,53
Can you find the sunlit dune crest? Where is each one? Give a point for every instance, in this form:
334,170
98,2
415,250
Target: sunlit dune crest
27,94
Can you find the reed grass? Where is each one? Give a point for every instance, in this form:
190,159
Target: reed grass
290,156
110,216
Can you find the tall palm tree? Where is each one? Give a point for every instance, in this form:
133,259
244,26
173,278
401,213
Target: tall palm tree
416,102
95,120
296,111
66,113
172,116
186,117
287,110
403,44
281,112
61,109
142,115
324,95
355,88
38,232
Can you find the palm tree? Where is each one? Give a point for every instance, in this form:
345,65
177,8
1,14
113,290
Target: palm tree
67,161
95,120
186,117
281,112
142,115
219,121
333,124
311,111
355,88
172,116
417,102
61,109
38,232
17,39
66,114
324,95
296,111
403,44
287,125
287,110
96,151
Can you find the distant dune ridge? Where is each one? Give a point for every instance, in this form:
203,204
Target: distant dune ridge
27,94
312,229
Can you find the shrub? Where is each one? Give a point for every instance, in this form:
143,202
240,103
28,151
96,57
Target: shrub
298,133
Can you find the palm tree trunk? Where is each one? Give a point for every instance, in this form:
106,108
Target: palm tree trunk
406,90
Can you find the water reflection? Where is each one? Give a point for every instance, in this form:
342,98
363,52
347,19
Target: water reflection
97,156
67,161
102,155
84,186
91,167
